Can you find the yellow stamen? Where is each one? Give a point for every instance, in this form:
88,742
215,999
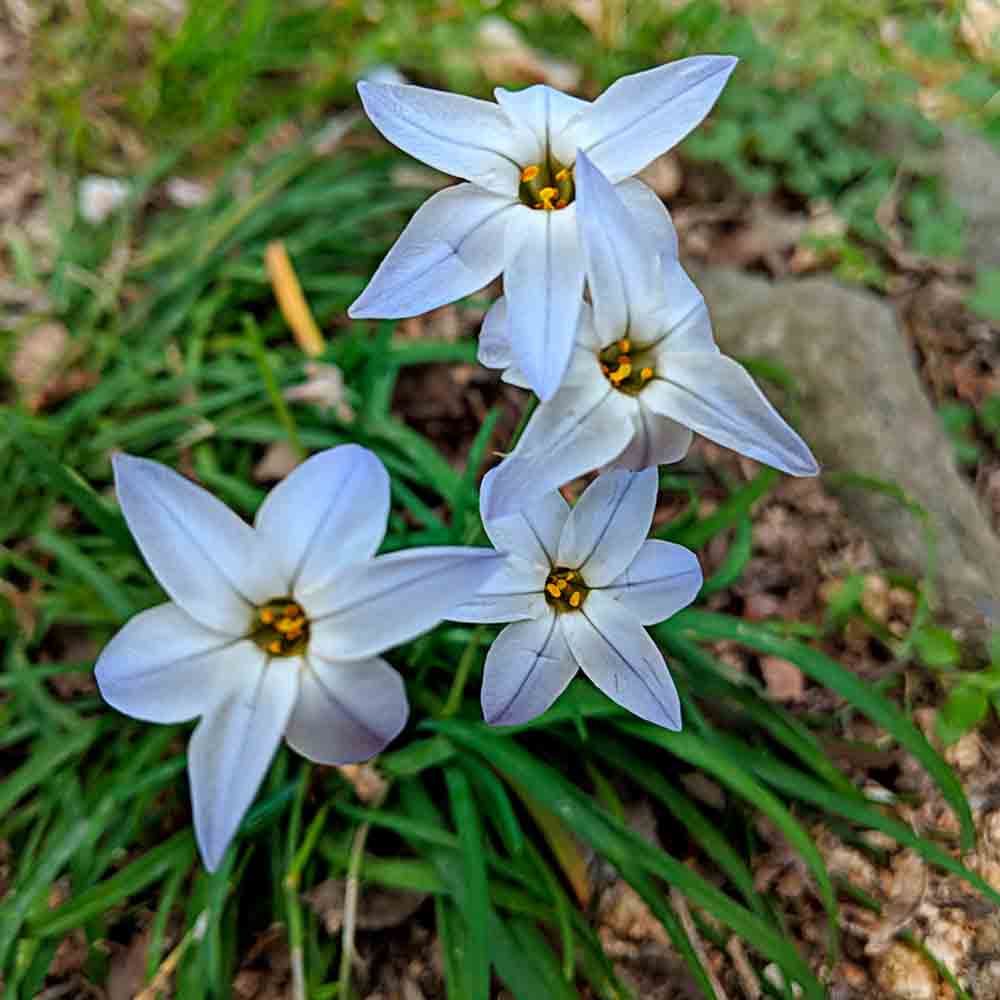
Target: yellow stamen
266,616
547,195
646,374
575,598
621,373
530,173
624,345
553,589
562,175
291,610
274,647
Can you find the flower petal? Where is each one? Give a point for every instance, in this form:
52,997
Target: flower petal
347,711
543,113
532,533
328,513
656,440
623,270
716,397
453,245
682,323
515,377
393,598
617,654
608,525
514,592
461,136
662,579
162,666
232,748
208,560
651,214
494,339
643,115
583,427
528,666
543,282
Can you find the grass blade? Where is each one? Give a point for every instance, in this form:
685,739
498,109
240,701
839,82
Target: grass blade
818,666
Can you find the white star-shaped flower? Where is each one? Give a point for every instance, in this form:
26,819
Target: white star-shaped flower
273,631
517,212
578,586
645,370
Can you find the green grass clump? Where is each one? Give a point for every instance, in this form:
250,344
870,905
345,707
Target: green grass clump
492,824
182,351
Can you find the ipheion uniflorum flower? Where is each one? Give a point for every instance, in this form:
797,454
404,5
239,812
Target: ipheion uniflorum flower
517,210
645,371
274,631
578,586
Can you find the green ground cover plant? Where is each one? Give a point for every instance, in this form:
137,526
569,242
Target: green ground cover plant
192,357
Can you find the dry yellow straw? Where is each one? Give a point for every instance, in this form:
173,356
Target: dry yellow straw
291,301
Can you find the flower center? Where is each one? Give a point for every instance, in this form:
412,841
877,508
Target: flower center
565,590
626,370
280,627
547,186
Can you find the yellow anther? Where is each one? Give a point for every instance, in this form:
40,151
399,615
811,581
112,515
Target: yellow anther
552,589
624,345
266,616
274,646
562,585
621,373
291,610
575,598
646,374
530,173
547,195
562,175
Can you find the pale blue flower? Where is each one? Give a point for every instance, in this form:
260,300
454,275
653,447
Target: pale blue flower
578,586
273,631
516,212
645,370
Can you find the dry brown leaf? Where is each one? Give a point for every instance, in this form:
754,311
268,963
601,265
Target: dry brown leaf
369,785
784,680
904,974
39,366
980,28
378,908
324,386
38,353
100,197
278,461
185,193
503,55
291,301
664,175
127,971
906,890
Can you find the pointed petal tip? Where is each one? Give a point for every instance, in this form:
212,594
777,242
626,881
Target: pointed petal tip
122,463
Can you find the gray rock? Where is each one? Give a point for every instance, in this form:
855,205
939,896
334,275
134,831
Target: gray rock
864,411
969,165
